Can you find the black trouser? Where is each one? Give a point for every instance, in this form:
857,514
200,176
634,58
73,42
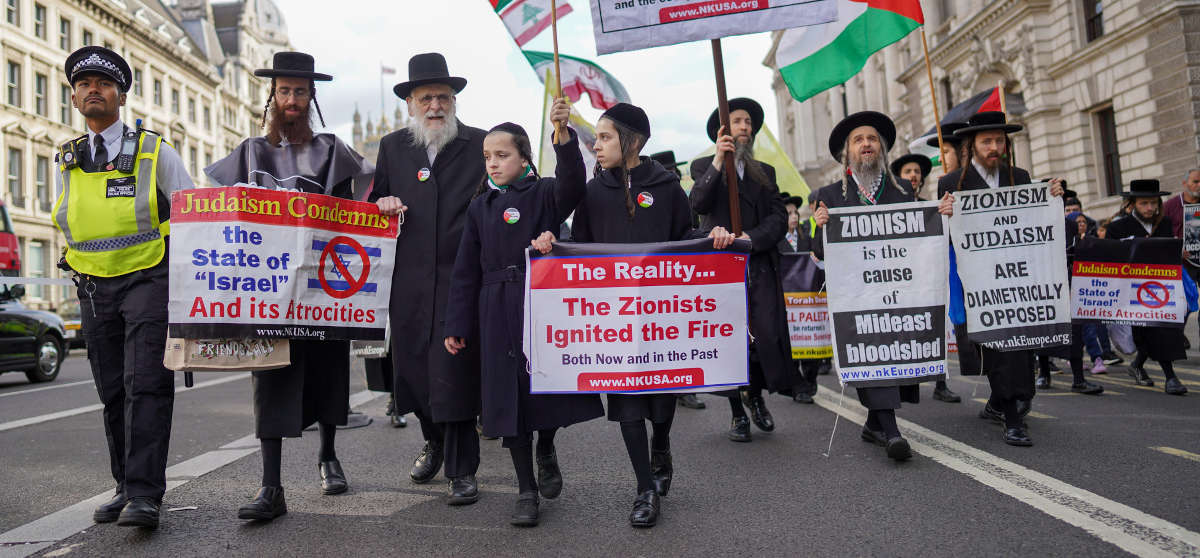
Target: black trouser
807,382
125,325
460,444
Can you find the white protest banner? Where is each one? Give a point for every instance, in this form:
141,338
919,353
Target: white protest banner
1012,258
886,269
253,262
1135,282
807,312
636,24
1191,229
627,318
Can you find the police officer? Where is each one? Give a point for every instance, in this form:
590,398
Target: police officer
113,210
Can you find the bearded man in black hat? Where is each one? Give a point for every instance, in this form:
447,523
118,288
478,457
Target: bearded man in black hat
764,224
315,387
987,162
429,171
861,142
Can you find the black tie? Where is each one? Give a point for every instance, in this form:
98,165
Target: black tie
100,159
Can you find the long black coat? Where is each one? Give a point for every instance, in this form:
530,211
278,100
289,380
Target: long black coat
603,216
487,296
428,379
834,195
1010,373
764,219
1163,344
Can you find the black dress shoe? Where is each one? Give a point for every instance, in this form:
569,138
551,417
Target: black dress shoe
759,413
1140,377
662,470
427,464
140,511
1043,382
876,437
266,505
1174,387
991,413
739,430
399,421
549,475
109,511
463,491
525,514
333,480
898,449
1017,437
690,401
645,510
803,397
1087,388
944,394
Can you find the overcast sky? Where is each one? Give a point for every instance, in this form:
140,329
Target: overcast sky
351,38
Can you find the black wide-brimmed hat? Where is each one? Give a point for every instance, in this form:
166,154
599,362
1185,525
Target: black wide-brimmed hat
98,60
740,103
427,69
667,159
630,116
292,64
923,161
1146,188
794,200
877,120
987,120
948,130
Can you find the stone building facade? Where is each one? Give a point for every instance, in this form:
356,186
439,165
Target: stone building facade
193,82
1108,91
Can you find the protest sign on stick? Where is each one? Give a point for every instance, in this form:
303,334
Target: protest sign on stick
1134,282
807,310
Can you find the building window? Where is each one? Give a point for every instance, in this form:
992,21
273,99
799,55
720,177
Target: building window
15,178
1093,18
14,84
207,159
42,183
40,103
39,21
64,105
87,37
192,111
1106,124
137,83
64,34
12,11
193,159
207,118
108,45
175,101
37,266
947,96
158,92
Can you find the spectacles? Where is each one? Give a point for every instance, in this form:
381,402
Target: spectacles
299,93
443,99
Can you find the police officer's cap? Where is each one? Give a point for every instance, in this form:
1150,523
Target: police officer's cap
98,60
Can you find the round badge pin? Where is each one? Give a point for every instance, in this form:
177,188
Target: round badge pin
645,199
68,157
423,174
511,215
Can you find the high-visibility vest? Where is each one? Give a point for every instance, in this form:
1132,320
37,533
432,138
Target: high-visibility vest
812,227
110,218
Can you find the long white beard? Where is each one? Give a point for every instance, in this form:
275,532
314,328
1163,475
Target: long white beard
871,169
426,136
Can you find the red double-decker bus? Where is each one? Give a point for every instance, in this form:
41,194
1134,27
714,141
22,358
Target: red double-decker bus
10,251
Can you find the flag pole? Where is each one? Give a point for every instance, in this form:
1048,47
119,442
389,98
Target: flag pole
1000,91
560,132
735,207
937,118
382,112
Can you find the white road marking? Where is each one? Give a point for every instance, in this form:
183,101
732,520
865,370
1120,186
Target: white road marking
1131,530
48,530
55,386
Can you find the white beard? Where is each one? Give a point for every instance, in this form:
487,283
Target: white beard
425,136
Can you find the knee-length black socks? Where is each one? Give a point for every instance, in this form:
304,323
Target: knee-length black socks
272,456
522,458
883,420
634,434
328,433
1168,367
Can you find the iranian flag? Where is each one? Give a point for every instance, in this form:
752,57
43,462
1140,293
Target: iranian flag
813,59
580,76
526,18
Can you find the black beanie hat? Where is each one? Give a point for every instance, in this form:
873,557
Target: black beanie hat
514,129
630,116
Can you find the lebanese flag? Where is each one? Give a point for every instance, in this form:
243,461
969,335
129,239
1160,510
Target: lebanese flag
580,76
813,59
526,18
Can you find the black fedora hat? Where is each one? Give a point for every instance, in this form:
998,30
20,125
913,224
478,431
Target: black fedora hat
98,60
1145,188
877,120
666,159
948,130
292,64
794,200
740,103
987,120
427,69
924,162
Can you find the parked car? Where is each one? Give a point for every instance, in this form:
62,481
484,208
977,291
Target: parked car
69,312
31,341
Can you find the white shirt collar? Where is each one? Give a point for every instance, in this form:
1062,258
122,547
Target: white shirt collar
109,135
992,178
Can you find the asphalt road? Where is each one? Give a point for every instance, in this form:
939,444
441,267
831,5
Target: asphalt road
1108,475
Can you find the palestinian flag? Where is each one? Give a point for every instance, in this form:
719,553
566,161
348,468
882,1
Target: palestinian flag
813,59
580,76
984,101
526,18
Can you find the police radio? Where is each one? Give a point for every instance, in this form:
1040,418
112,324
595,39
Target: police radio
125,158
